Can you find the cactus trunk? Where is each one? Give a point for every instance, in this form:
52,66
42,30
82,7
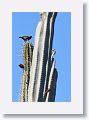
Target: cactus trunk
40,73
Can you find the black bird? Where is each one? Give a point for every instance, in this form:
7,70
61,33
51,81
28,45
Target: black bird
26,38
21,66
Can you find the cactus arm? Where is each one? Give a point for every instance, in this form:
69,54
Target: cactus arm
27,55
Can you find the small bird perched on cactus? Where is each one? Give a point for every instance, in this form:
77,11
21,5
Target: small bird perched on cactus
21,66
26,38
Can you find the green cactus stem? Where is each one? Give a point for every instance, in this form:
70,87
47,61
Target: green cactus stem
27,56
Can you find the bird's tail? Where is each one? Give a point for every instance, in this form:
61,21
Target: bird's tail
20,37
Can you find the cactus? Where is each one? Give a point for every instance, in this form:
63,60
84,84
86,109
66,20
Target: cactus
40,75
27,55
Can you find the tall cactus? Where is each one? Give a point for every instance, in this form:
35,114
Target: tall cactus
27,55
40,75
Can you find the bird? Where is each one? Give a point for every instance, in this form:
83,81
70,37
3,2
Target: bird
21,66
26,38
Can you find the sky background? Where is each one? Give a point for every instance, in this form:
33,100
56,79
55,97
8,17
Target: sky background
25,23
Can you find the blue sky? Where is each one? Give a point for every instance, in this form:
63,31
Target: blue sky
24,23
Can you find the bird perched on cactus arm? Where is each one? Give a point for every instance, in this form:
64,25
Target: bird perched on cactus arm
26,38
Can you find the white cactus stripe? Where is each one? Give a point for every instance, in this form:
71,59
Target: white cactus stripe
34,62
41,58
50,79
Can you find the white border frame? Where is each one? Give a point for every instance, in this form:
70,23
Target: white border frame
76,104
